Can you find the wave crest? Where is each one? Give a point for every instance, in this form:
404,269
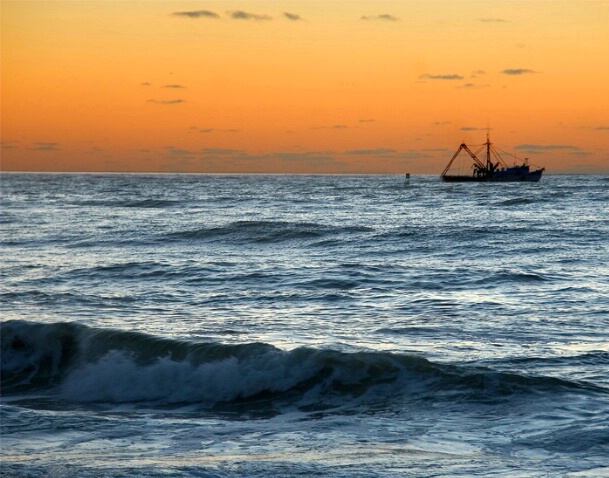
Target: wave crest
97,365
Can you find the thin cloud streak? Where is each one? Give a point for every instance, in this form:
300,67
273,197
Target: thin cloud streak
178,151
292,16
538,148
222,151
8,144
214,130
473,86
166,102
47,147
197,14
241,15
427,76
517,71
385,17
367,152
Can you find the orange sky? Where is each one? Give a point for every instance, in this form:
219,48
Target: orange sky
367,86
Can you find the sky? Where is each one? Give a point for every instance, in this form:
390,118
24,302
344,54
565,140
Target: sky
302,86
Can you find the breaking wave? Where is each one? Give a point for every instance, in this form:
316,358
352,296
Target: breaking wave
83,364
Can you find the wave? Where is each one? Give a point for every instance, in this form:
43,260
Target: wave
513,276
515,202
593,358
8,218
84,364
130,203
264,231
127,270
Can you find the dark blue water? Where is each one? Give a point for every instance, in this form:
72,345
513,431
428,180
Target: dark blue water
349,326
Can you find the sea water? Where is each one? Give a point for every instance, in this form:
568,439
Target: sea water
281,326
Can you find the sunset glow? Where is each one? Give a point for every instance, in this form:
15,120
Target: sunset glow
302,86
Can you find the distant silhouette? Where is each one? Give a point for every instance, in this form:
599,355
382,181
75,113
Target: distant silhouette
486,169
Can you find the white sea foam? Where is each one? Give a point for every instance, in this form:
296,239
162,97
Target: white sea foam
117,377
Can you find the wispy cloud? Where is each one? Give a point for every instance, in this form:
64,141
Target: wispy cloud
440,123
314,158
540,148
214,130
493,20
221,151
241,15
601,128
292,16
179,152
47,147
413,155
166,102
174,86
517,71
370,152
145,84
9,144
335,126
189,154
303,159
385,17
366,121
427,76
197,14
473,86
471,128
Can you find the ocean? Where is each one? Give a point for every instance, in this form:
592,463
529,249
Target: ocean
285,326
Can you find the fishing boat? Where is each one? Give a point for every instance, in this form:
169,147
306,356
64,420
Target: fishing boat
492,168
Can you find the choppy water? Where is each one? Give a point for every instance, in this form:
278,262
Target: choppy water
221,326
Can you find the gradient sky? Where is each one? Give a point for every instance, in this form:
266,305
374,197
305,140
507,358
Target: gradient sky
367,86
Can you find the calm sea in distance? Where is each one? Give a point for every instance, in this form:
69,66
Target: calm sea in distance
283,326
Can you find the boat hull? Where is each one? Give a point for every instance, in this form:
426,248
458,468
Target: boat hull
498,177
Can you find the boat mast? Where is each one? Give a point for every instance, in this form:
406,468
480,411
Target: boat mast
488,152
